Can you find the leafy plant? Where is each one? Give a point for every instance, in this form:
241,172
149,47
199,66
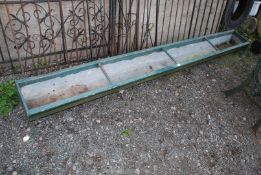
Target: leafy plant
8,98
125,133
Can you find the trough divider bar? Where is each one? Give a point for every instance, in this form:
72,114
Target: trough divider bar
170,56
105,73
211,44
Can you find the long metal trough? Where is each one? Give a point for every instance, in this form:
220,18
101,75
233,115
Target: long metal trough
57,91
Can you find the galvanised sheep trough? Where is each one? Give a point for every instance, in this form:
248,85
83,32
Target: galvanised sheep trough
47,94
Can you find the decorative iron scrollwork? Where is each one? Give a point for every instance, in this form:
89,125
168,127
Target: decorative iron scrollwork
33,17
26,19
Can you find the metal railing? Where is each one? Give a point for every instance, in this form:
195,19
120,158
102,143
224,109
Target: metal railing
39,34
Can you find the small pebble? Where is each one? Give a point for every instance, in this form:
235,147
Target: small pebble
70,119
98,121
137,171
39,125
26,138
74,168
173,108
14,173
10,168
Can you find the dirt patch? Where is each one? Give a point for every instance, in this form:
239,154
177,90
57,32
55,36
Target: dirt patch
72,91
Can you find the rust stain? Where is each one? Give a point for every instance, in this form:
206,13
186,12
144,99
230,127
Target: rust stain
72,91
224,45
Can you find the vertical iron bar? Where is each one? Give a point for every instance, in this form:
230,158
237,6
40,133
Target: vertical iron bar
65,54
120,21
130,24
142,27
157,22
121,26
104,27
74,32
112,26
6,44
40,30
27,33
122,29
95,28
14,38
148,25
85,30
51,24
109,34
101,26
126,27
114,8
89,27
137,26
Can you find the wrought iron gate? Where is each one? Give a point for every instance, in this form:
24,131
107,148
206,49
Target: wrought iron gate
39,34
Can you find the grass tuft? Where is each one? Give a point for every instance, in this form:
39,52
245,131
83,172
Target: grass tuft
8,98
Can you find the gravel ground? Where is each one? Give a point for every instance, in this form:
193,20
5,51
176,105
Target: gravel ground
179,124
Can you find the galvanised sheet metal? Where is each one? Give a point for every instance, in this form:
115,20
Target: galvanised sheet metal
57,91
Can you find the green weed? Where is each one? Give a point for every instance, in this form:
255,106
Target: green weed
125,133
8,98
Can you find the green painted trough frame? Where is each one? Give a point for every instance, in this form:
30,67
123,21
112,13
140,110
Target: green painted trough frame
55,106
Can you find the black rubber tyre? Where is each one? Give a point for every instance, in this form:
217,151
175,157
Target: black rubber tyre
233,20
